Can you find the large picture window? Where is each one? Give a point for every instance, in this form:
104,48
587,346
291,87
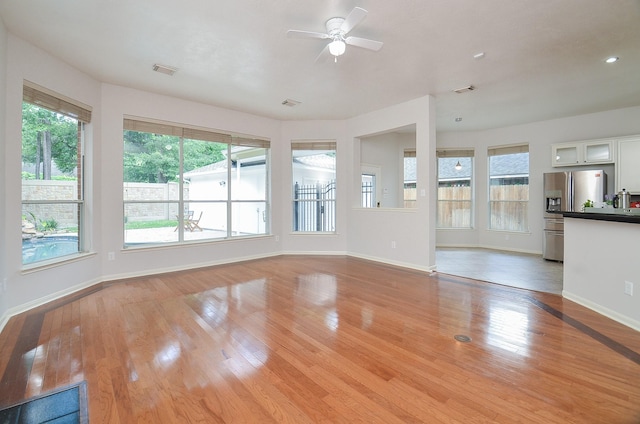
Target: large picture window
184,184
455,189
52,175
509,188
314,186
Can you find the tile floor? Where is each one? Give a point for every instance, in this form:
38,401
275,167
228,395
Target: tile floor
513,269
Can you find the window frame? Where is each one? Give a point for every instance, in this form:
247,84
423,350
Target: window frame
524,203
182,206
319,205
44,98
409,187
456,154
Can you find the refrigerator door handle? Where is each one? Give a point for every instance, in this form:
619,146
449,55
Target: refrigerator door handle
570,193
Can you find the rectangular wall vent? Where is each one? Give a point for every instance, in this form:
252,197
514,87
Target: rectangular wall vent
290,103
464,89
164,69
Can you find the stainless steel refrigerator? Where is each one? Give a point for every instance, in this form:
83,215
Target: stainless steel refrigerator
567,192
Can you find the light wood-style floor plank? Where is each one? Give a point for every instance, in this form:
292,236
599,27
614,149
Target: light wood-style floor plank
298,339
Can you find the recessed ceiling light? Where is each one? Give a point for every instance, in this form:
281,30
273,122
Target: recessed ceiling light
164,69
458,119
612,59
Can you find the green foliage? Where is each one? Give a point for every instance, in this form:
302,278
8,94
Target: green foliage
136,225
155,158
40,125
49,225
31,218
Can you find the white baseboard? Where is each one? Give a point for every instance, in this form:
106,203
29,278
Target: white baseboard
16,310
622,319
114,277
395,263
483,246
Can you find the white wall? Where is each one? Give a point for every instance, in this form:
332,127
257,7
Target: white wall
120,101
404,237
599,257
25,62
385,152
539,136
313,243
3,175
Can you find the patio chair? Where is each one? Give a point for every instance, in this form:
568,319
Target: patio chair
193,224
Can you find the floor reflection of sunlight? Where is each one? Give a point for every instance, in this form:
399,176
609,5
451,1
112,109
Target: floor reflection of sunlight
332,320
508,330
319,289
168,354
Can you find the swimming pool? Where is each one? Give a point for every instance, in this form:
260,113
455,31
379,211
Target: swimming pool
48,247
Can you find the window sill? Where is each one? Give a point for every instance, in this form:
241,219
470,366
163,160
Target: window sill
53,263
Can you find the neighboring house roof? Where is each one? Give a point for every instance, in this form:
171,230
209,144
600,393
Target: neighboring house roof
207,169
320,160
514,165
447,169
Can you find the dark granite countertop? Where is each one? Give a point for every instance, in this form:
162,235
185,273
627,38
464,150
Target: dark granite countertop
611,217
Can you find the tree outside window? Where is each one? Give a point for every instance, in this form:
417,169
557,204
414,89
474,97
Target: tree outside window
184,184
52,176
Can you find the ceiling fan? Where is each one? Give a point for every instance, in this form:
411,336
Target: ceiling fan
337,30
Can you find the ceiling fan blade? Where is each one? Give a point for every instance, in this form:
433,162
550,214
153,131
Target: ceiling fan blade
306,34
324,55
354,18
364,43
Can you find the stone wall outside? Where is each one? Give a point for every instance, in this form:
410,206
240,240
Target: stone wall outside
66,215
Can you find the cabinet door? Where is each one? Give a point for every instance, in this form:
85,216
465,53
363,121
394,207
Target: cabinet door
565,154
628,166
598,152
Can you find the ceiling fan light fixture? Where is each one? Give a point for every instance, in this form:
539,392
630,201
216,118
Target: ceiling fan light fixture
337,47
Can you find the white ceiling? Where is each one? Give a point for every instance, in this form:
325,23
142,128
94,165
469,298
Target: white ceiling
543,59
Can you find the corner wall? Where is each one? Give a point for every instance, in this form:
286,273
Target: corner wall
404,237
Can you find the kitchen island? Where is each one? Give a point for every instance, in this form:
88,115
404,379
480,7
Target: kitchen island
602,264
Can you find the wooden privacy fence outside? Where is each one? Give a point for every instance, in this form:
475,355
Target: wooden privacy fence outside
508,211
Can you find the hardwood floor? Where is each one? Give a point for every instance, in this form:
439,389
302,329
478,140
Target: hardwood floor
324,339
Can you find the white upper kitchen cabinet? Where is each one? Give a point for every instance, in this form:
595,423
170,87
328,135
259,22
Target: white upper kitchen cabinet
583,152
628,164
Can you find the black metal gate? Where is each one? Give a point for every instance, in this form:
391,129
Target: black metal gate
314,207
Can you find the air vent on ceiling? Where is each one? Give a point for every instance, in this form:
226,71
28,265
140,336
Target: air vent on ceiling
164,69
290,102
464,89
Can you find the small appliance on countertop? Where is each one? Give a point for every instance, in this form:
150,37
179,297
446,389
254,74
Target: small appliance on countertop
622,200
